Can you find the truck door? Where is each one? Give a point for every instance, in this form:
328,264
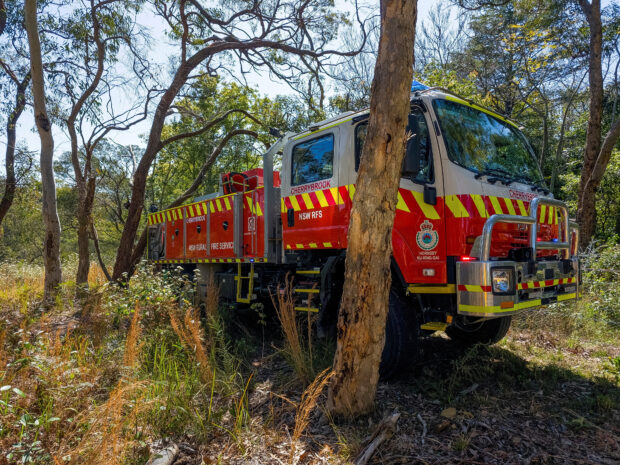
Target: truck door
311,198
419,236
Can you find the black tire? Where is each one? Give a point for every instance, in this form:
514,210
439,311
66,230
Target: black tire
401,337
485,332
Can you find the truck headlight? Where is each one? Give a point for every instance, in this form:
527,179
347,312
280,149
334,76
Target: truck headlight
503,281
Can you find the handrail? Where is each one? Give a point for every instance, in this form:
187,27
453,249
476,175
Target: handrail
564,240
487,230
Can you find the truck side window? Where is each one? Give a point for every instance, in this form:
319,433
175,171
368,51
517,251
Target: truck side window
418,147
313,160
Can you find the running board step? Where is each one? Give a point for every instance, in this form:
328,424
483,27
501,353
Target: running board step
312,271
307,309
434,326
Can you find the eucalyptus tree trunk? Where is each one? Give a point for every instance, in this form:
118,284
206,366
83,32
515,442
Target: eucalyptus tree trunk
586,213
364,305
51,242
9,162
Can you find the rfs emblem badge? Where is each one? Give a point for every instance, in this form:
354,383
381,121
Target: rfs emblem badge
426,238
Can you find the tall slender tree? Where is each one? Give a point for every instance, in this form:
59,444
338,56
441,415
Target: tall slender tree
21,85
597,151
364,305
51,241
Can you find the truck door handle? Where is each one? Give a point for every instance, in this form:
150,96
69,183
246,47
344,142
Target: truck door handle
290,217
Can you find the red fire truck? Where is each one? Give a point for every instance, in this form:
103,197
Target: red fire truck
477,236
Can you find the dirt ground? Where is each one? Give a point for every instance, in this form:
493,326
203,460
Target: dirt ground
486,405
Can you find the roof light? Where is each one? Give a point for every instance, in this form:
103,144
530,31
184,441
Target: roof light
467,258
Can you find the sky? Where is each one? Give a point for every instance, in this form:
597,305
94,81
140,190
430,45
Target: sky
162,49
160,53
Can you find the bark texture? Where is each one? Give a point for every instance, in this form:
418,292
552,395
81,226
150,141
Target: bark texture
51,242
364,305
586,214
84,178
9,162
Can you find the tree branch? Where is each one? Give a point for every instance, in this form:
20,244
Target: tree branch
206,127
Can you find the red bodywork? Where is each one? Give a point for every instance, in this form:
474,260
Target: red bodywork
424,235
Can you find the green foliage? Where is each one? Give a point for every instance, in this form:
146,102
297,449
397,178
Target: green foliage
607,199
207,99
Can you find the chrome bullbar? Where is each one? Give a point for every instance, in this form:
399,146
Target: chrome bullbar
490,288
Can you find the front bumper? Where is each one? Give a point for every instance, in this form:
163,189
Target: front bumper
533,282
551,281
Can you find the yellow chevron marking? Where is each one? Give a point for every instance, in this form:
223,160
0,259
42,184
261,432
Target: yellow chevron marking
258,211
211,207
322,200
336,195
351,189
327,244
479,203
472,288
307,201
288,246
510,206
313,245
456,206
496,206
551,215
498,309
522,209
218,204
282,206
228,207
204,208
248,199
191,211
299,246
428,210
401,205
543,210
174,215
294,202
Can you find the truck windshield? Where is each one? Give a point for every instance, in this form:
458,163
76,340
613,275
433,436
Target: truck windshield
486,145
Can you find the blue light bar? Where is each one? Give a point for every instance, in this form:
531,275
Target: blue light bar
415,85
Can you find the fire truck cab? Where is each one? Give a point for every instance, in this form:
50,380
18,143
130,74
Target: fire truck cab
477,236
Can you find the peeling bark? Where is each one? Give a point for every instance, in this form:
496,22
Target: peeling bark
51,242
364,305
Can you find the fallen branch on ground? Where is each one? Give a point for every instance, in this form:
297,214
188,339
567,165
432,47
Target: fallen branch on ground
384,431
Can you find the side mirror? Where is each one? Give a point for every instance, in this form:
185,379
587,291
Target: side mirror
430,195
411,162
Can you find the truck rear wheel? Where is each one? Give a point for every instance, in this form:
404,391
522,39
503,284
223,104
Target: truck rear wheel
401,337
485,332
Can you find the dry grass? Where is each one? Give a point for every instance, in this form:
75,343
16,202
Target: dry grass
96,277
132,347
309,399
299,353
191,334
3,354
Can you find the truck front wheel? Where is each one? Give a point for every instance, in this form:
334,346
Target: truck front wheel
401,337
484,332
